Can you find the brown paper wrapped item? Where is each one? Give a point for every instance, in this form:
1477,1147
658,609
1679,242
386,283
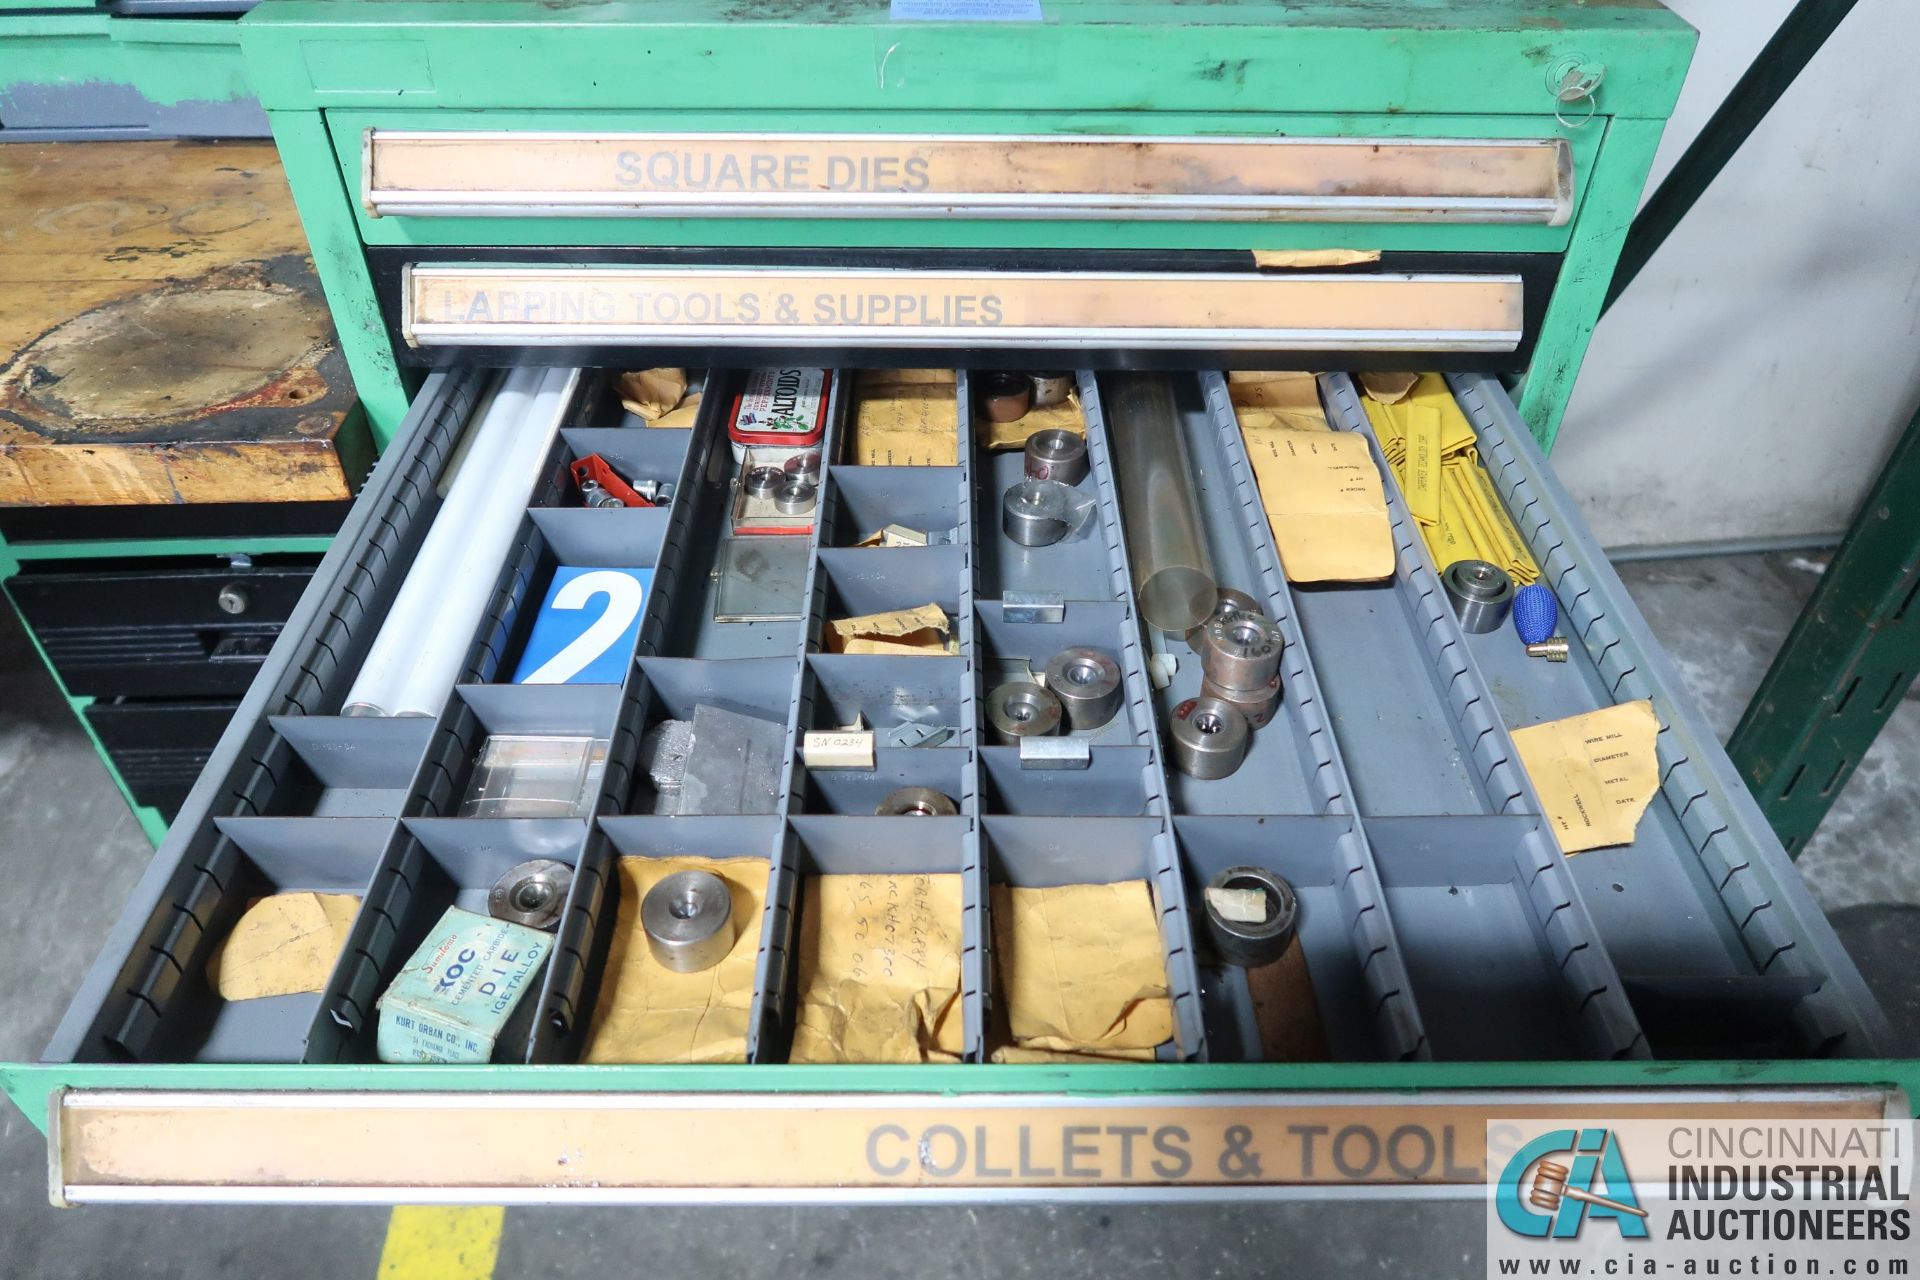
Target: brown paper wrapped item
921,632
1082,970
658,397
879,966
282,945
905,418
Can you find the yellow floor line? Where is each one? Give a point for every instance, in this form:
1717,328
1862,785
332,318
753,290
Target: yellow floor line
428,1243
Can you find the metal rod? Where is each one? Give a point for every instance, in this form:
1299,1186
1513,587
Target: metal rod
1799,37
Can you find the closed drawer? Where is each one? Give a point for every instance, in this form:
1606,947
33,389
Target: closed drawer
158,629
159,747
1444,940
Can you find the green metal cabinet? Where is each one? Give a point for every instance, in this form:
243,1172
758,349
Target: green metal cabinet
453,160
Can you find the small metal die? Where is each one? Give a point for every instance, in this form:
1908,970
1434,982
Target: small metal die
1021,710
1207,738
795,497
1057,454
1050,389
1006,397
1226,602
762,482
1481,594
1087,684
805,465
916,802
1034,512
1258,707
1241,651
1251,943
1553,649
688,920
531,893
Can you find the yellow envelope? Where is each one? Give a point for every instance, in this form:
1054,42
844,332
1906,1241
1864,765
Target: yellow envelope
1595,773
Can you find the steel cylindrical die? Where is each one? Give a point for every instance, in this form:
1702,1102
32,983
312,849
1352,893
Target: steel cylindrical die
794,496
1034,512
1251,916
1087,684
1006,397
1226,603
1050,389
806,465
1207,738
688,920
1241,651
1057,454
1022,709
916,802
762,482
1481,594
1258,706
531,893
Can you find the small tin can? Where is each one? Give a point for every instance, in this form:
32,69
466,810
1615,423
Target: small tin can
781,409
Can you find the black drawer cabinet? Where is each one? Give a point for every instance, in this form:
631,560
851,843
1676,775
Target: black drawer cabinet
193,628
159,747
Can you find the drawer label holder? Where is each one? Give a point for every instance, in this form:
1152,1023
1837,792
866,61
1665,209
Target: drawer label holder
492,305
494,173
536,1147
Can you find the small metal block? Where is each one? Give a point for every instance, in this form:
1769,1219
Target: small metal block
1032,606
1056,753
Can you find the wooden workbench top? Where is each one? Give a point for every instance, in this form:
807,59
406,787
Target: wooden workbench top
163,336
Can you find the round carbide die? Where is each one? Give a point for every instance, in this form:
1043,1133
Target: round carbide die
1057,454
795,497
1087,684
1050,389
531,893
1006,397
1022,709
762,482
1226,603
1481,594
1257,707
1034,512
688,920
1239,939
916,802
1207,738
1241,651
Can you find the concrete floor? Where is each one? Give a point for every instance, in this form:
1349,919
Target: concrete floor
69,852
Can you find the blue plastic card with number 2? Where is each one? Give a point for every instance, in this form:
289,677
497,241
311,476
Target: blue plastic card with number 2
587,627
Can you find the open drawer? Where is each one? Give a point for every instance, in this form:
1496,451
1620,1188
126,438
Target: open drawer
1444,942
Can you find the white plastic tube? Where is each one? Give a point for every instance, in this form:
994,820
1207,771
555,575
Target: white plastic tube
417,656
